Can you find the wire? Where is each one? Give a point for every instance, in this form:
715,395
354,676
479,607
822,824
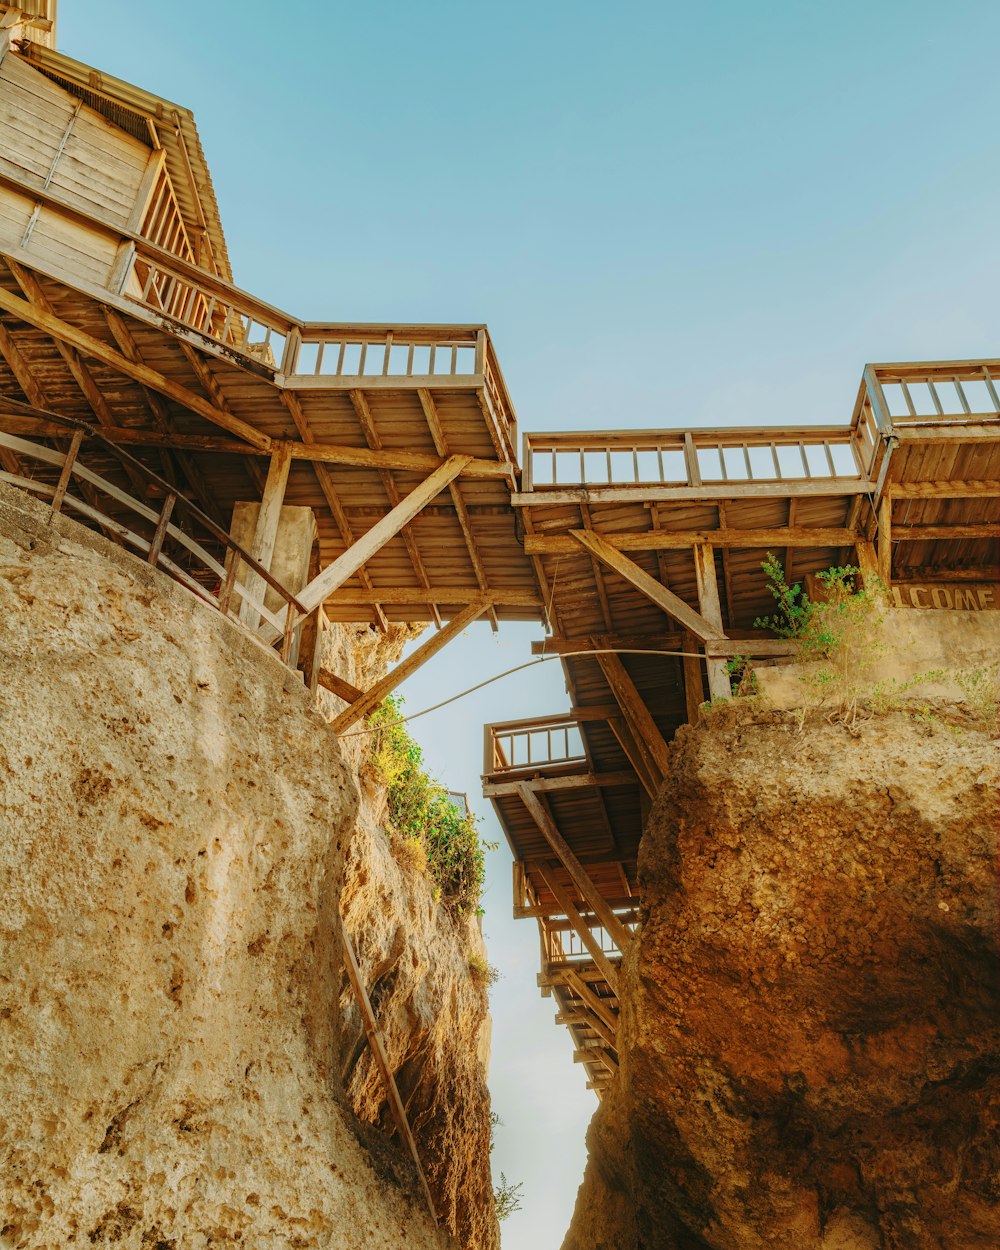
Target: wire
360,733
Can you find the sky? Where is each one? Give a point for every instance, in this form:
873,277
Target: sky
668,215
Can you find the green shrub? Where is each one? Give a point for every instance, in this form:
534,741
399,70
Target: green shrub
419,808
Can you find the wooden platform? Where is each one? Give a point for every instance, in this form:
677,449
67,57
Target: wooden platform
648,545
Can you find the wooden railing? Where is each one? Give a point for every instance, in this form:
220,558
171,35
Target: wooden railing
562,945
532,743
176,537
688,457
890,397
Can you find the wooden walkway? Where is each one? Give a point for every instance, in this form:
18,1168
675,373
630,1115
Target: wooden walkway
649,541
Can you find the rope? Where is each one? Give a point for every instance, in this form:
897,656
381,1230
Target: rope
402,720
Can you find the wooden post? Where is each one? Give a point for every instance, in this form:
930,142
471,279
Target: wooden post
63,484
382,1063
266,531
578,874
156,546
602,1009
885,540
711,610
694,686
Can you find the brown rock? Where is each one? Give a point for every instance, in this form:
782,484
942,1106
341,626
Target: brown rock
810,1017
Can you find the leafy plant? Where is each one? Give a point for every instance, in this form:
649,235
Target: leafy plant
507,1197
742,677
419,809
482,971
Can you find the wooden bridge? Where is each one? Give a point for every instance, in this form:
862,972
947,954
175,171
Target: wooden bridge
147,394
648,547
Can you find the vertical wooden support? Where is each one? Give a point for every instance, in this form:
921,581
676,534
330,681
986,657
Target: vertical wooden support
885,540
866,558
262,547
618,933
63,484
694,686
711,610
156,546
382,1062
583,932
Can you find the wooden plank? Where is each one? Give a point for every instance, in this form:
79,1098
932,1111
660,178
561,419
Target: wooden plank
585,886
611,642
449,595
694,686
986,431
582,931
266,530
374,696
884,549
594,1003
381,1058
945,490
345,566
545,496
647,775
942,533
338,686
637,714
664,599
752,648
678,540
708,600
543,785
98,350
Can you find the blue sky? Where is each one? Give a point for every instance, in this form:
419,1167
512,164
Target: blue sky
668,214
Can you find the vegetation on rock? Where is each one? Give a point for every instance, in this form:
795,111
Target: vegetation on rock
421,815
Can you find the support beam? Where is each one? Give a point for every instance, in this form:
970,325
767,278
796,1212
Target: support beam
543,785
942,533
593,1001
679,540
345,566
647,775
885,540
708,600
377,1045
664,599
945,490
338,686
266,531
96,349
694,686
585,934
610,642
867,558
373,697
578,874
637,715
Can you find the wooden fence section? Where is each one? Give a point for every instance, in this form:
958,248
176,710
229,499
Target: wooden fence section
177,538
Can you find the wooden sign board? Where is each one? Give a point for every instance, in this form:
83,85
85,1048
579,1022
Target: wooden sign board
967,596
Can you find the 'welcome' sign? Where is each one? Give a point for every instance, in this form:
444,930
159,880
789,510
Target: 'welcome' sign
972,596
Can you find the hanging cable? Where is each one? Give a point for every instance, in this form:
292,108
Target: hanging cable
402,720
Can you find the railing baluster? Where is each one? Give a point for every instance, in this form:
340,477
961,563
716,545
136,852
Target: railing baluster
319,359
409,362
934,397
908,398
340,358
385,358
362,357
961,397
987,378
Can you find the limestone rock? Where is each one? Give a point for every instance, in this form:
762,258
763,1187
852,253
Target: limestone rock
811,1021
174,825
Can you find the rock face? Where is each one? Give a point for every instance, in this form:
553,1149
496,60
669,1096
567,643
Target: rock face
810,1017
174,826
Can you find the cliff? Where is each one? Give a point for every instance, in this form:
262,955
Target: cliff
810,1025
182,1062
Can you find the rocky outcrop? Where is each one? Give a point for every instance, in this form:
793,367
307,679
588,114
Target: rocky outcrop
175,824
811,1021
